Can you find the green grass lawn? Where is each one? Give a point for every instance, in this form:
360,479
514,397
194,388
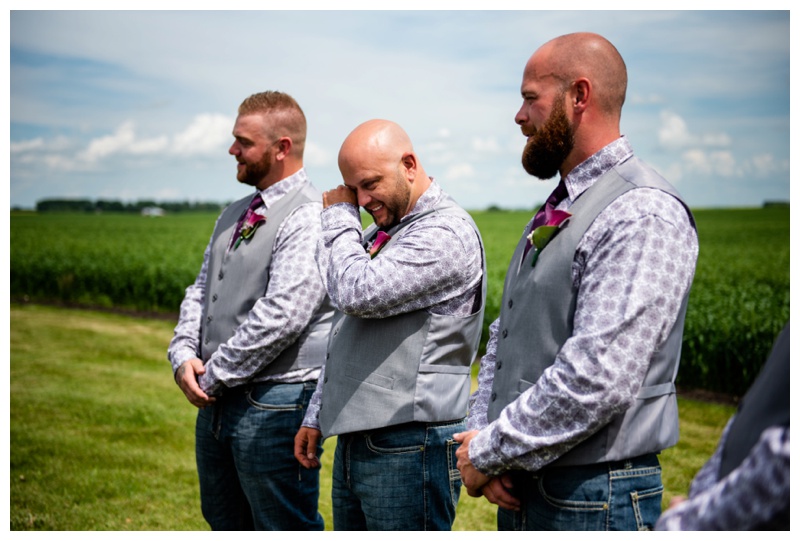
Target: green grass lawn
102,438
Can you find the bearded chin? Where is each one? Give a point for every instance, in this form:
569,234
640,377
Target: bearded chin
255,173
546,151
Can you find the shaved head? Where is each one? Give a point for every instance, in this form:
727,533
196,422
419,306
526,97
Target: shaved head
592,56
378,163
375,139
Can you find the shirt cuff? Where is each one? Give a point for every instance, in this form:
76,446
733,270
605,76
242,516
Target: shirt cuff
483,454
180,356
340,215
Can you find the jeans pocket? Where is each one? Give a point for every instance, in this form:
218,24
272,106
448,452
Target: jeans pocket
273,398
385,446
563,491
453,473
646,507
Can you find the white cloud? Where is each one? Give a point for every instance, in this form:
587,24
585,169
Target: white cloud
149,146
56,162
26,146
674,134
109,144
459,171
715,140
437,153
649,99
719,163
488,144
205,135
317,155
764,162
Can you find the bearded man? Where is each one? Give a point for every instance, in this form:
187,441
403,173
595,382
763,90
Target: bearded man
576,393
250,341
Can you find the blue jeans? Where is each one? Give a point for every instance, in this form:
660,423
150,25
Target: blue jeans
249,478
624,495
401,477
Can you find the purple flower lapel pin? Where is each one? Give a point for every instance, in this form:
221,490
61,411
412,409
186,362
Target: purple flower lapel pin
540,236
249,226
380,240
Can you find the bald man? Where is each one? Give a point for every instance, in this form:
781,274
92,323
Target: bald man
410,296
576,393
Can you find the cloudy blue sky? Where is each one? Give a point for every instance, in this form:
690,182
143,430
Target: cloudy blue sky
136,105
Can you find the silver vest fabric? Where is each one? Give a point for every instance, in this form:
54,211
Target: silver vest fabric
238,278
536,319
408,367
765,404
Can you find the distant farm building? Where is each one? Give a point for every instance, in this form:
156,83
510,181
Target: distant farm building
152,211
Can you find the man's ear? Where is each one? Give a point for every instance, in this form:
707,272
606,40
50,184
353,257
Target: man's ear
409,161
284,145
582,90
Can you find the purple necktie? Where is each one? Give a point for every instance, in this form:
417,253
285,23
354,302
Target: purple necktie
555,198
254,204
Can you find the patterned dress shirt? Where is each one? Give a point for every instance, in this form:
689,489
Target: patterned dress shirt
435,266
294,294
750,495
631,270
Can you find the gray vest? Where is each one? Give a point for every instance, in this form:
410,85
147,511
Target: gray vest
766,404
409,367
239,278
536,319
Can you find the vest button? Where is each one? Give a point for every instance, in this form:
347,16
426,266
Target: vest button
327,356
494,397
207,340
510,303
499,365
214,298
505,333
209,318
220,275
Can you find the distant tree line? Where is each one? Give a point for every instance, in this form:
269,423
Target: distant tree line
102,205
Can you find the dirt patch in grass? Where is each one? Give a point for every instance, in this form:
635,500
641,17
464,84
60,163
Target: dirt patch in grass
703,395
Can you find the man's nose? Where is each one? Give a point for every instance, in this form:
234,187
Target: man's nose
363,198
520,118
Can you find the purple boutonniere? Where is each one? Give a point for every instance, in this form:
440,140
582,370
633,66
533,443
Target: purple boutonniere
249,226
540,236
380,240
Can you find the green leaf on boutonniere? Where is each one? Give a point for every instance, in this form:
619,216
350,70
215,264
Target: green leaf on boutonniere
251,223
542,235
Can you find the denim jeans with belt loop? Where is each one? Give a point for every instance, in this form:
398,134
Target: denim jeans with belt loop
622,495
400,477
249,477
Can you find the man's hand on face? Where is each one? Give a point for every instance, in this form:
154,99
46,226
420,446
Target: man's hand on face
340,194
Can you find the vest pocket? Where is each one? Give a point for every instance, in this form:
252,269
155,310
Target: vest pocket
356,373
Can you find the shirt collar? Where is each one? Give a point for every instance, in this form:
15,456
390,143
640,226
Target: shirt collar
428,200
273,193
592,168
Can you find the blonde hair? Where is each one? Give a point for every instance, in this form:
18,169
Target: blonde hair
283,117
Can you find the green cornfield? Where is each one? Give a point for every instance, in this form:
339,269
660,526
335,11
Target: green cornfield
739,301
